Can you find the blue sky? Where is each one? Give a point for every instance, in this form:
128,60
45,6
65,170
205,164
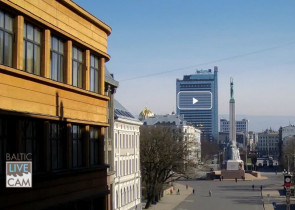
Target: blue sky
152,36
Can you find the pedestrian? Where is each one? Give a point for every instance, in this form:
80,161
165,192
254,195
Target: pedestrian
193,191
261,187
186,186
178,193
222,178
236,179
252,186
171,191
210,193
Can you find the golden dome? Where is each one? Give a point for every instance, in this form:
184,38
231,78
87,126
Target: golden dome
144,114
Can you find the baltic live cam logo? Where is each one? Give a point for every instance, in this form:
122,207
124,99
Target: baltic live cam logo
19,170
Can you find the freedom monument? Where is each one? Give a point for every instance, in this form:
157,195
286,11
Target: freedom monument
234,167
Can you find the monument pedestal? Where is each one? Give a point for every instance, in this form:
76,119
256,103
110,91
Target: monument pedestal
234,169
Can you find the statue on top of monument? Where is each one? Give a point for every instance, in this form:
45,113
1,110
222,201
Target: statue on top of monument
231,88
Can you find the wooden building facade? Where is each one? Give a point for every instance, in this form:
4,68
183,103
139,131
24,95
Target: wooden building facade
53,103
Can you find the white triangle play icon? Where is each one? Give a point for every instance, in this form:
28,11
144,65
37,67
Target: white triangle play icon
195,100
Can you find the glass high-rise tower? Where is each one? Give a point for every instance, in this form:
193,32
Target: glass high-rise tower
197,101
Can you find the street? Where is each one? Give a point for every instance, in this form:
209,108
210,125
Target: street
229,194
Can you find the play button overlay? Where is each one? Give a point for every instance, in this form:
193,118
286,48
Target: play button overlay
194,100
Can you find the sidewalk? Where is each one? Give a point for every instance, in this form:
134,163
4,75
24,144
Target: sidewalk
172,201
270,195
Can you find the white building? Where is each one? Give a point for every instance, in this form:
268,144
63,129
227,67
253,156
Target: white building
241,125
288,132
191,135
127,181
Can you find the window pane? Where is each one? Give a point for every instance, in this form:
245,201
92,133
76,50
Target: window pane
75,67
92,61
1,46
30,32
80,55
8,23
61,69
75,55
53,66
8,49
24,55
80,76
96,62
54,44
91,79
37,35
1,19
29,57
96,81
37,60
61,47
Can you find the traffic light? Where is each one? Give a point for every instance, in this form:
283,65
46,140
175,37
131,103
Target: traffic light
287,180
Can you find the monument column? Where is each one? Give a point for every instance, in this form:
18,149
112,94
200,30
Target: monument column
232,114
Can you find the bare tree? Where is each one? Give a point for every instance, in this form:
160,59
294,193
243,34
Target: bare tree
288,154
208,148
162,156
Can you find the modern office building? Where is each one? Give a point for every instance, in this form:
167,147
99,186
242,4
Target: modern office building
197,101
241,125
126,147
53,105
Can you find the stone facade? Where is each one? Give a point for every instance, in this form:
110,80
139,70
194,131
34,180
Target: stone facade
126,147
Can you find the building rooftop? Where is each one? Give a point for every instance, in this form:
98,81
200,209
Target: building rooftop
171,119
109,78
122,112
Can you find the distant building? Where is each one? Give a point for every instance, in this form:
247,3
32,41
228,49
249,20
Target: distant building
110,89
126,147
253,140
241,139
241,125
197,101
287,132
268,143
190,133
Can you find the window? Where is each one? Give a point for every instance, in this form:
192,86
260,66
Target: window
94,145
116,141
6,39
57,59
116,168
77,76
123,140
77,146
57,145
30,143
120,140
32,49
94,68
120,167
